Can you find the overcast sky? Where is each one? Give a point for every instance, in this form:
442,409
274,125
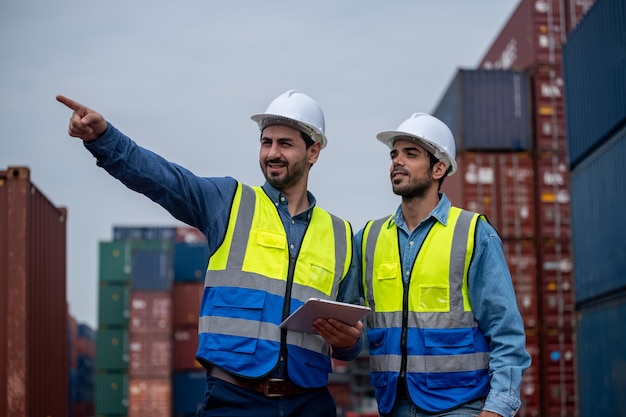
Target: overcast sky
182,78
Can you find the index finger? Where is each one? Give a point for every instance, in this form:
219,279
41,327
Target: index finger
74,105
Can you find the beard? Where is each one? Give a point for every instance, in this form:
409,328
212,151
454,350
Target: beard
295,172
416,188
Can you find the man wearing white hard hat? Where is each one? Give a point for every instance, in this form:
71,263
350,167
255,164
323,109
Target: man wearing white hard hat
270,249
445,334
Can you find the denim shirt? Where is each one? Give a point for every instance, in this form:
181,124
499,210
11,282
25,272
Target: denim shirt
492,298
201,202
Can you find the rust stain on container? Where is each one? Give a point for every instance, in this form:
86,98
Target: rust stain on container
33,327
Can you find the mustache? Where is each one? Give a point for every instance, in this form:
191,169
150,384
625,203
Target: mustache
276,161
399,170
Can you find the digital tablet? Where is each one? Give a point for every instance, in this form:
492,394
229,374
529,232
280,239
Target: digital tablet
302,319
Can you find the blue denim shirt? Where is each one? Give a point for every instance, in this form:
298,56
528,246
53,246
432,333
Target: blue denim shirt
200,202
493,302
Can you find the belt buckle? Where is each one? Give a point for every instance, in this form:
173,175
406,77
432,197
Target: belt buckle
268,383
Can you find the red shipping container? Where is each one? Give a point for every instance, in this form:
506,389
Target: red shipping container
521,257
150,310
553,195
150,354
530,391
150,397
534,34
187,299
549,107
185,348
72,333
558,376
34,312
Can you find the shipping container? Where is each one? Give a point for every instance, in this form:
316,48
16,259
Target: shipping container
113,306
114,262
599,245
534,33
602,358
150,354
143,233
488,110
548,109
151,311
34,311
521,258
187,297
151,267
530,391
150,397
112,350
190,261
111,394
595,78
552,183
189,389
185,347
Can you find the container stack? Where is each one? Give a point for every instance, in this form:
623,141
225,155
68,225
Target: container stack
81,375
509,122
138,336
594,67
34,358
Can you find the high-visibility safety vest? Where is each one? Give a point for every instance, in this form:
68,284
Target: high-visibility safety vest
424,329
250,277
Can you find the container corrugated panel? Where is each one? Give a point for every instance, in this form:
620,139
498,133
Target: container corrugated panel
186,303
595,77
114,262
500,185
112,347
557,287
553,195
549,109
558,374
189,389
521,258
150,354
111,394
151,311
190,261
530,391
533,34
143,233
151,269
488,110
601,352
34,312
598,194
113,306
72,334
185,347
150,397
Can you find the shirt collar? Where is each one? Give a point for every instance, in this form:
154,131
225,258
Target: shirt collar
439,213
274,194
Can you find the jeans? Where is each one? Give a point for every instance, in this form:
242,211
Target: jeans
404,407
227,400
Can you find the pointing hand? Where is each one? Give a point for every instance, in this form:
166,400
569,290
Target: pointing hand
85,123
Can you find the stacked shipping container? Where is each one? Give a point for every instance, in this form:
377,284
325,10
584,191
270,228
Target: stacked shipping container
33,325
82,356
151,281
594,67
508,119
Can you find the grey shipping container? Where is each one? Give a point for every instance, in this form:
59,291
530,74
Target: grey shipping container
488,110
594,70
598,197
33,306
602,359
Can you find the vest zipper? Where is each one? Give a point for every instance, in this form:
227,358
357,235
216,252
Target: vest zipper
403,334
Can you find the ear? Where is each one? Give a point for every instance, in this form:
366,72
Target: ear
314,152
439,170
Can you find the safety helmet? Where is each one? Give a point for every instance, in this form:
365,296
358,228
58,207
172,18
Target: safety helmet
430,133
297,110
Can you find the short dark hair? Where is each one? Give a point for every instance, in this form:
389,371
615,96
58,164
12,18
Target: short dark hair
307,139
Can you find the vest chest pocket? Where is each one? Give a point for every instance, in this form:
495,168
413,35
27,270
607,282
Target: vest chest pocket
266,254
433,298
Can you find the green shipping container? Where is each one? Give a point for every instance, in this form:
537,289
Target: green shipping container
112,347
115,262
111,394
113,306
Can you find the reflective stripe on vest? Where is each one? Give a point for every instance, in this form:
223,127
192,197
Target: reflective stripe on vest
245,285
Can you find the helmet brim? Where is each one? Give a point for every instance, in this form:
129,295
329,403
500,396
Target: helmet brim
267,119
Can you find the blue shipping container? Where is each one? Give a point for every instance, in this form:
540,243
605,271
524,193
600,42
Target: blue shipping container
190,261
143,233
189,389
86,332
602,360
150,269
488,110
594,74
598,196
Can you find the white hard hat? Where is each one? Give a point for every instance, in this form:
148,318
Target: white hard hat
430,133
295,109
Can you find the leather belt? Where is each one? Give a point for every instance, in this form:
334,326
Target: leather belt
270,387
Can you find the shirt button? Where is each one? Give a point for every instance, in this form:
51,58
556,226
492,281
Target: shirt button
411,243
282,199
293,222
291,246
407,273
